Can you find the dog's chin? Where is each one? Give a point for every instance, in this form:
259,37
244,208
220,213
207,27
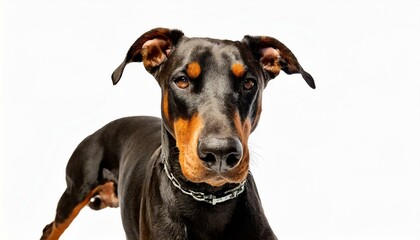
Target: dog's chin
215,179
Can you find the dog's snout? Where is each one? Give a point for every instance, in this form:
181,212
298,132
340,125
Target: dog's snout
220,154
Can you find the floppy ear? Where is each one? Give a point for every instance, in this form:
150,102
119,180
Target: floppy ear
152,48
275,56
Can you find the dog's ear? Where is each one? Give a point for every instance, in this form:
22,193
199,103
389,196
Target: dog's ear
152,48
274,56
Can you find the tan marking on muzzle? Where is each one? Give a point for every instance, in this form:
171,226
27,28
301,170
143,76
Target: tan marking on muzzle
186,134
244,130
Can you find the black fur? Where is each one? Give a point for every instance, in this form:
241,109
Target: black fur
218,113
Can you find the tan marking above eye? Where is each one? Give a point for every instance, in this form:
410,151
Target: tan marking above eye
244,130
193,70
238,69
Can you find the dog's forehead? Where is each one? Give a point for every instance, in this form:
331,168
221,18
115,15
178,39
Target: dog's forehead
202,48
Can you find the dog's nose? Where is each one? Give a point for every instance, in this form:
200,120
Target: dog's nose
220,154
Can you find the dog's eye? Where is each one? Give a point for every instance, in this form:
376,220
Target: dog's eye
249,83
182,82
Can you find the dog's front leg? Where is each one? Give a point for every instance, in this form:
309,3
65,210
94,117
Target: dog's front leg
159,219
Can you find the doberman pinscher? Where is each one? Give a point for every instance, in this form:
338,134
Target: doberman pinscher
185,176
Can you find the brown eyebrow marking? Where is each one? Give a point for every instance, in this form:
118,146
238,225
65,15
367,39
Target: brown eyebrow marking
193,70
238,69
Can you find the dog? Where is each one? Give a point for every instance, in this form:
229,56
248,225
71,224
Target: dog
186,175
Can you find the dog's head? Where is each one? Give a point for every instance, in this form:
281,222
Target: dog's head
211,95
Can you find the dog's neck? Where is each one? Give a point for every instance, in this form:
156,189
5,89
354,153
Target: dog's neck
200,215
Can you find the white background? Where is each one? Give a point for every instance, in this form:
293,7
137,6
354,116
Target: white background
338,162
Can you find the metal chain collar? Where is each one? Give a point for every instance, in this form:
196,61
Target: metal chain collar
203,197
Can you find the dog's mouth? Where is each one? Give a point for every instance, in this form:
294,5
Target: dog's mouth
197,170
202,174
